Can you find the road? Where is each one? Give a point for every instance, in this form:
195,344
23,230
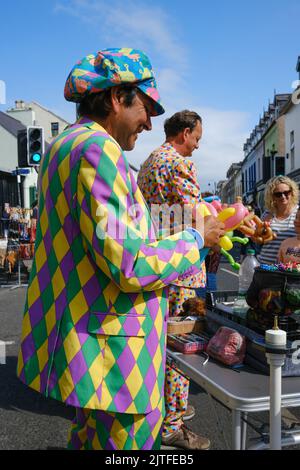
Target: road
29,421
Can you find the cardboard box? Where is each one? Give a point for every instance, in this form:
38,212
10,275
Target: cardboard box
177,327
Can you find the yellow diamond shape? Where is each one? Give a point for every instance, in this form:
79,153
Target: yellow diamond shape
111,293
102,264
113,251
139,304
58,283
40,256
20,363
64,170
78,307
65,384
50,319
112,151
62,207
157,359
79,139
33,292
96,443
85,271
176,259
87,175
36,383
156,264
119,187
120,433
44,222
42,354
155,396
158,324
45,182
136,345
134,381
110,361
61,245
86,226
71,345
95,370
26,326
106,397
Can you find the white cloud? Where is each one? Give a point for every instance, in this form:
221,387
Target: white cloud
122,24
224,133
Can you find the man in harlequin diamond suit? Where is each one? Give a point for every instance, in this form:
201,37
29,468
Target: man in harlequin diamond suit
94,327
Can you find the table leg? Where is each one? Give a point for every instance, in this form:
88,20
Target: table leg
244,431
236,430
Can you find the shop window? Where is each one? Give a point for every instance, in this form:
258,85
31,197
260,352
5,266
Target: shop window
54,129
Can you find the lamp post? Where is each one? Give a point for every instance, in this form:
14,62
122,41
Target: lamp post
214,187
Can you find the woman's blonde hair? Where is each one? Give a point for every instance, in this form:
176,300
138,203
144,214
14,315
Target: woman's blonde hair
270,188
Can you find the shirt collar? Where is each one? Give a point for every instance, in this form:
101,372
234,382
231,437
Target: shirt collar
87,122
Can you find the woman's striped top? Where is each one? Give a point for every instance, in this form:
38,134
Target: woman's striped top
284,229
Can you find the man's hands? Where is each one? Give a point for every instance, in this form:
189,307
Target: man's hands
213,231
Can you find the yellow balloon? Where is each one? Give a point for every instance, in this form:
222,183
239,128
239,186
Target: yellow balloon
203,210
226,213
225,243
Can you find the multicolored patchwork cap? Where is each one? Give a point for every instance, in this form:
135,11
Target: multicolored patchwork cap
111,67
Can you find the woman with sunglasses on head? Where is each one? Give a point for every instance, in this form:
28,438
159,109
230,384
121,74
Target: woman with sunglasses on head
281,203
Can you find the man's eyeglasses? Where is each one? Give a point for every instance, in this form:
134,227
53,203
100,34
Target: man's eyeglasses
279,194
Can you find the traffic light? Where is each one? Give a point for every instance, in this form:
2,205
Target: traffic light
35,145
30,146
22,149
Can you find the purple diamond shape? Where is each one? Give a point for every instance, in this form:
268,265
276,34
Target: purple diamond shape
52,167
150,379
28,348
48,241
44,277
67,265
126,362
122,399
92,290
152,342
78,367
36,312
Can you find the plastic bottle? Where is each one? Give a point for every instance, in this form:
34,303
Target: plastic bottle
246,272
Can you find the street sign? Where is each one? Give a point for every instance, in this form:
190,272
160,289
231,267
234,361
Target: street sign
21,171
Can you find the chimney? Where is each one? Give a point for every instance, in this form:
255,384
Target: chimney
19,104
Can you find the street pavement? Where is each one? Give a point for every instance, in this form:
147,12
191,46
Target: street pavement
30,421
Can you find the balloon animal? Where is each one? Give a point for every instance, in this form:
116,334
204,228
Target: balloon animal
237,216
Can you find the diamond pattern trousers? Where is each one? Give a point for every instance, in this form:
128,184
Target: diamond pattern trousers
101,430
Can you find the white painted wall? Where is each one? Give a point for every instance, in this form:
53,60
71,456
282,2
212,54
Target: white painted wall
259,154
8,150
292,123
25,116
9,161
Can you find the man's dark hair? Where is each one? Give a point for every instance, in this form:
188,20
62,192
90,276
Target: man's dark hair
99,104
180,121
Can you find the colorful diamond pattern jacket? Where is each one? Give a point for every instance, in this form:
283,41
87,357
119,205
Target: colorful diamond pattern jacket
94,325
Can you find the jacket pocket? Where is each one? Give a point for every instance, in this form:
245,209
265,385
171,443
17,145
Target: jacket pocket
113,324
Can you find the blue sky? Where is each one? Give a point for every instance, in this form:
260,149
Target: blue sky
221,58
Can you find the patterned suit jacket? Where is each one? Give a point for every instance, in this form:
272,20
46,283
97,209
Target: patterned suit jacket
94,324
